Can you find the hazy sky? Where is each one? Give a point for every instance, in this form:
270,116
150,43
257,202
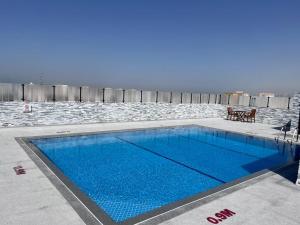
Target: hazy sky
211,45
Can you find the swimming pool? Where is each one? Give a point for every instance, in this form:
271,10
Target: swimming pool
131,173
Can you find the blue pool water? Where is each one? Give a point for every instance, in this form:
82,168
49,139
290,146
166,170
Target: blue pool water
129,173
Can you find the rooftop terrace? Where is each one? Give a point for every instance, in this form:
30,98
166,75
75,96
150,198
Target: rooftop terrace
272,198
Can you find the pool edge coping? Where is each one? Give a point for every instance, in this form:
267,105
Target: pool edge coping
58,179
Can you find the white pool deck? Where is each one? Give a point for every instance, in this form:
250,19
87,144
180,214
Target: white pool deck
32,199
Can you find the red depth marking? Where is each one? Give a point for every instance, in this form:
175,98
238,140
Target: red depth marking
220,216
19,170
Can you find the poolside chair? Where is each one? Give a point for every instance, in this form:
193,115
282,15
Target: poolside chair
284,129
295,133
251,115
230,113
294,136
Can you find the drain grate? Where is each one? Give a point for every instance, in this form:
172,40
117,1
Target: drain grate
19,170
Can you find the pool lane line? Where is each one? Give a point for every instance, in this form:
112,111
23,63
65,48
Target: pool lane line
217,146
172,160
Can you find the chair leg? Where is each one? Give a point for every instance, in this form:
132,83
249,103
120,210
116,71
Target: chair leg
294,134
284,135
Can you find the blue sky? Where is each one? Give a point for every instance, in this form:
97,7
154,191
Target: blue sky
170,45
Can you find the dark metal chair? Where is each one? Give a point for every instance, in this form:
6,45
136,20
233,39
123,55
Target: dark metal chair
251,115
285,128
230,113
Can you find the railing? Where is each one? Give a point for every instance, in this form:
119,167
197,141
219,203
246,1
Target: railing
46,93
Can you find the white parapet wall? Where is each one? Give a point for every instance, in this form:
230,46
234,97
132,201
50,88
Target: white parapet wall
259,101
86,94
164,97
219,98
61,93
91,94
186,98
212,98
10,92
204,98
38,93
132,95
73,93
148,96
113,95
51,113
48,93
46,113
279,102
196,98
277,116
244,100
67,93
176,97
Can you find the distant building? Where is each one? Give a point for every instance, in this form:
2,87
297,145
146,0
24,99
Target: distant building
233,97
266,94
241,93
237,93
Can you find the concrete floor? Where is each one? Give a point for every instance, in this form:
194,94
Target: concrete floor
32,199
